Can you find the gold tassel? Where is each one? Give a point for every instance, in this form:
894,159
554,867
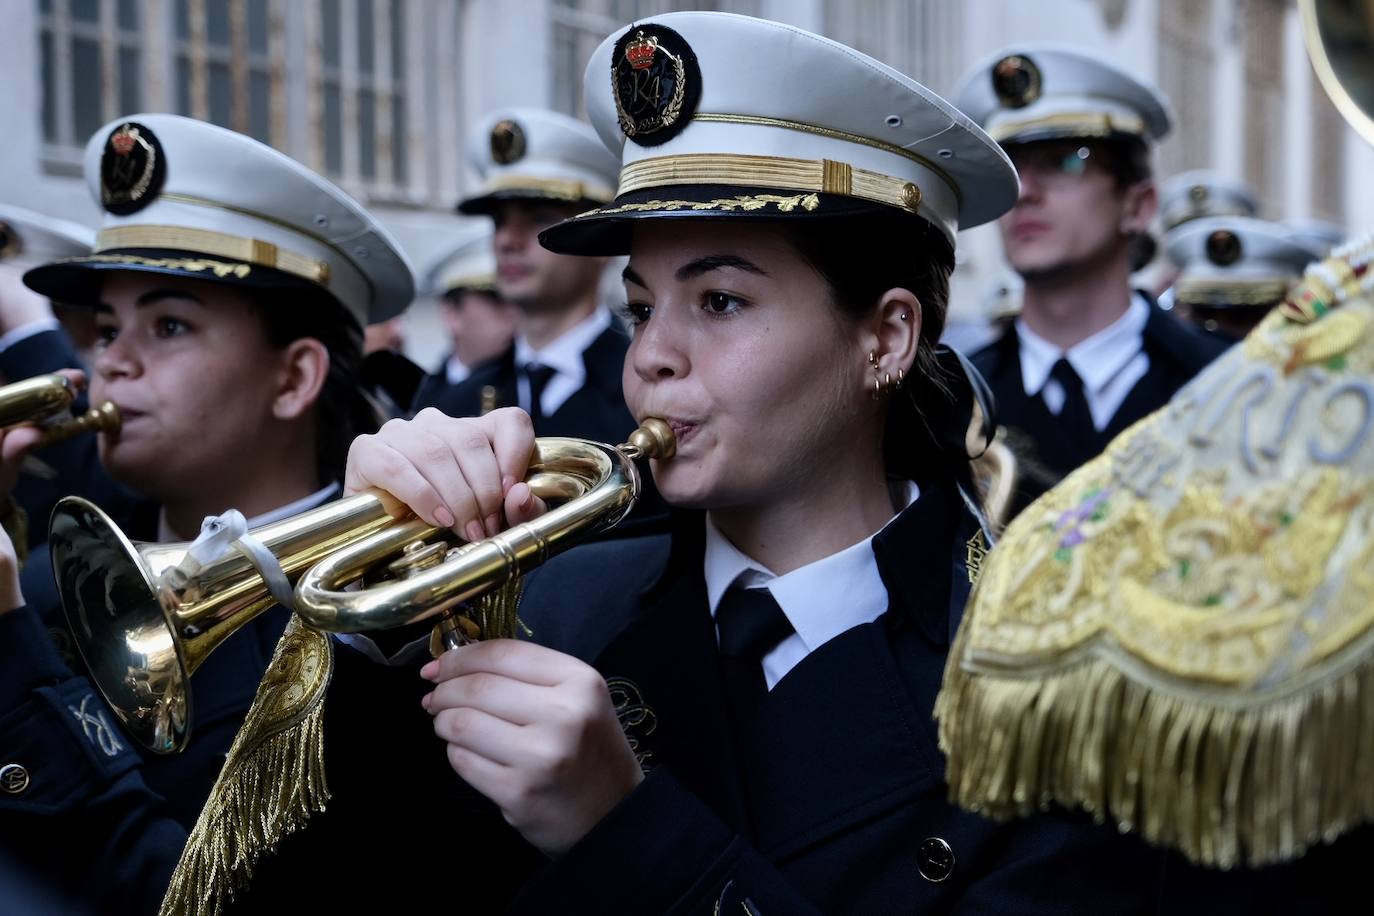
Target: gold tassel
1229,787
497,611
272,781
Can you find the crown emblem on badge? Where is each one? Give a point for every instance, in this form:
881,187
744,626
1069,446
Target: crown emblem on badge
1223,247
132,169
640,52
124,140
656,83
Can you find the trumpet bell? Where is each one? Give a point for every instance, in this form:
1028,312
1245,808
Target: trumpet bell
119,625
1340,41
144,620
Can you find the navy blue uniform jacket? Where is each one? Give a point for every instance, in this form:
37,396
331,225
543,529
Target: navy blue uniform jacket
595,411
1177,352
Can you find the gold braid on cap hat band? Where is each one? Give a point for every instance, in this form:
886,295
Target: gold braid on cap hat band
824,175
1084,124
470,281
1232,292
218,244
556,188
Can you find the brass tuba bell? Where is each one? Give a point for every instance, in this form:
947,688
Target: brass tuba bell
144,625
1340,41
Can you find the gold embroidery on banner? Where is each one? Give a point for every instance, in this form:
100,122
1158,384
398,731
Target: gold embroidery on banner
1179,638
742,202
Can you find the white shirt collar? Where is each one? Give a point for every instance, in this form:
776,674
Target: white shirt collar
564,357
455,370
318,498
1097,359
821,599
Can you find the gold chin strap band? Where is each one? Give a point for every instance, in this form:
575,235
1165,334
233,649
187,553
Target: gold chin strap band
1071,125
823,175
218,244
556,188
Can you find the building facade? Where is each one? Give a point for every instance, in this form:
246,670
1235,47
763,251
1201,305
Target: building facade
379,94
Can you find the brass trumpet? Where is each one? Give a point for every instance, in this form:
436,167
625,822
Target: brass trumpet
45,399
144,624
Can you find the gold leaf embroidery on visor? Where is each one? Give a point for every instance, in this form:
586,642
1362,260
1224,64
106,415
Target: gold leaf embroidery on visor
785,204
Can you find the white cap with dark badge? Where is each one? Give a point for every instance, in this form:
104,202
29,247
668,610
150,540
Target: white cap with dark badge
28,238
1236,261
1203,192
470,264
536,154
719,116
187,198
1318,234
1046,91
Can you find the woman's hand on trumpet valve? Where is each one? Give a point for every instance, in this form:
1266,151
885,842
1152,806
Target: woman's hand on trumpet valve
464,474
18,441
533,730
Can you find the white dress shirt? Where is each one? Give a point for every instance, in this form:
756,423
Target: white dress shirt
821,599
564,357
455,370
1109,362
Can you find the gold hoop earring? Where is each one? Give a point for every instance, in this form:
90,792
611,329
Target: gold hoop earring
901,377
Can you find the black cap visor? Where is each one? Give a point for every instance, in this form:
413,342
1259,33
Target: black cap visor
606,230
486,204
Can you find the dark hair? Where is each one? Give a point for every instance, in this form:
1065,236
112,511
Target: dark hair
1127,159
342,412
862,257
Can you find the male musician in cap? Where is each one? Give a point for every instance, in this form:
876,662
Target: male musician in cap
1189,196
540,167
1234,269
1087,356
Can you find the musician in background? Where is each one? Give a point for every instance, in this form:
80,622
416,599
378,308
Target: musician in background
33,341
230,286
540,167
1234,269
1087,356
479,323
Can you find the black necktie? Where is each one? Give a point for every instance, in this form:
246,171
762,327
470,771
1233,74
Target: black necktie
538,377
1075,419
751,625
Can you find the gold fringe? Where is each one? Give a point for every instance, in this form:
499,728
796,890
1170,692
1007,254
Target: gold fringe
272,781
1227,787
496,611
